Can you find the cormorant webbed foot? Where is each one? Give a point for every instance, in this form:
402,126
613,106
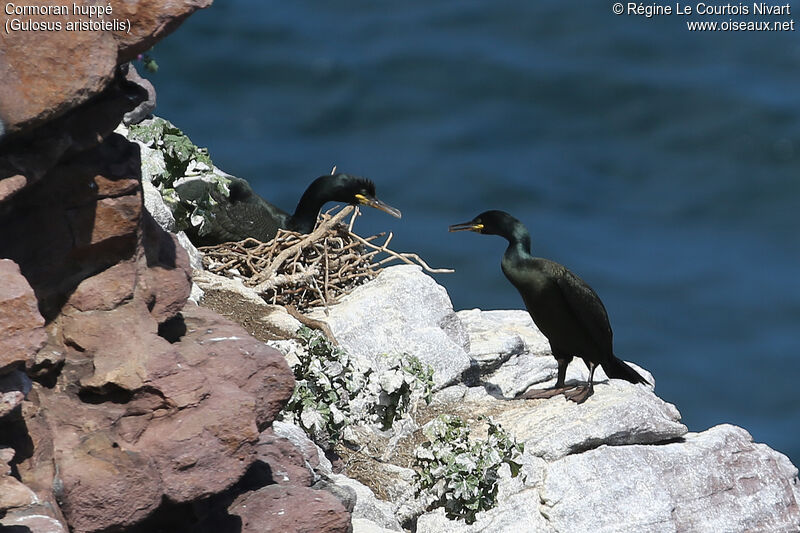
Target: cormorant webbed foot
537,394
580,393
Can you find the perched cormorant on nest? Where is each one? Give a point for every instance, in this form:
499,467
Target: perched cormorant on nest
245,214
566,310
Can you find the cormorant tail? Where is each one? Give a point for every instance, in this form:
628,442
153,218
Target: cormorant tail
617,368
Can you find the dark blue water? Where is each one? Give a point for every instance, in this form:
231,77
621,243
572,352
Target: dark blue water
660,165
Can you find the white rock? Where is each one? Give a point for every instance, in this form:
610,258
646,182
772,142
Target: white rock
517,514
155,205
401,492
617,413
495,336
715,481
195,257
153,164
362,525
520,372
402,310
368,506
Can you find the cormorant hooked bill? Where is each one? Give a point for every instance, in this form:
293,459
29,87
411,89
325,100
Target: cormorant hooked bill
566,310
246,214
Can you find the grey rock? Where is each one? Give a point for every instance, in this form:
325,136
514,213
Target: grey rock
155,205
401,492
153,167
344,493
495,336
362,525
512,354
146,108
520,372
718,480
196,294
195,257
368,506
401,311
516,514
152,161
529,370
617,413
312,453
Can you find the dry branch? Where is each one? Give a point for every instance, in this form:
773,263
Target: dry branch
311,270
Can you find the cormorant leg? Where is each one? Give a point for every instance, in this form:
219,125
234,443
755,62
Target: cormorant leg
582,392
558,388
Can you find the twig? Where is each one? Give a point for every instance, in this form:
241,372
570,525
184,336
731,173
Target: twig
404,257
308,270
311,237
312,323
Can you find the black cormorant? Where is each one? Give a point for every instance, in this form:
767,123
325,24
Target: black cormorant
566,310
245,214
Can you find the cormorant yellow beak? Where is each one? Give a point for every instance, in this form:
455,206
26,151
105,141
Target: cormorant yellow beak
467,226
377,204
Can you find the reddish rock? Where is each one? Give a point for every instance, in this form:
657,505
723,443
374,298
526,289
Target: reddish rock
280,508
21,326
151,21
143,403
13,388
286,463
43,75
164,277
190,405
106,290
34,153
119,343
13,494
259,369
203,450
102,484
46,73
71,225
183,434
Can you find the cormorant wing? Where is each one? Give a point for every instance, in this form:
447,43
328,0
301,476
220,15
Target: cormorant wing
587,308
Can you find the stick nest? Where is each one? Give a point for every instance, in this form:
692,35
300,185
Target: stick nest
311,270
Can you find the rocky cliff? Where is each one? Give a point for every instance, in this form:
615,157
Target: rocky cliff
125,408
622,461
122,408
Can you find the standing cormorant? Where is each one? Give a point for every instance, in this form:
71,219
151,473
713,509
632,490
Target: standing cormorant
566,310
245,214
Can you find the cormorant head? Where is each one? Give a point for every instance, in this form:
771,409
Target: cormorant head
352,190
489,223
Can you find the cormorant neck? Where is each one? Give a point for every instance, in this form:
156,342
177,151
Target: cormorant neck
519,240
309,206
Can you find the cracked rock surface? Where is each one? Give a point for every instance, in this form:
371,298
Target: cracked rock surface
622,461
